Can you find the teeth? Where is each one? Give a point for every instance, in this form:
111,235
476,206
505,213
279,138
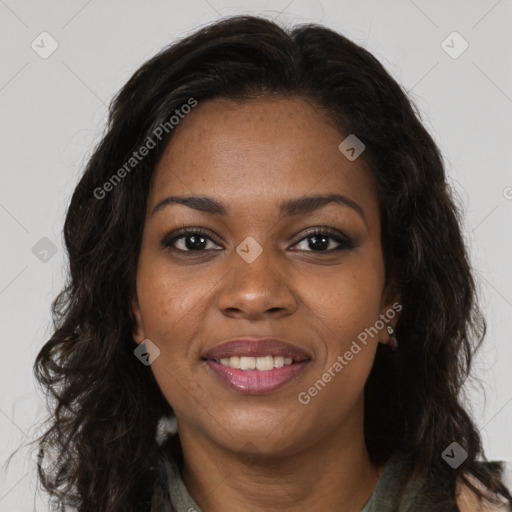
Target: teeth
264,363
259,363
247,363
278,361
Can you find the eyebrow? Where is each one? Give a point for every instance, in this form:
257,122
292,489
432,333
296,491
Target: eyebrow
287,208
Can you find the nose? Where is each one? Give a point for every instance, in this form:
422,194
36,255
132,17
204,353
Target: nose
256,290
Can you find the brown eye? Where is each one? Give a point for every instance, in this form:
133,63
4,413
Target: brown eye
189,240
323,240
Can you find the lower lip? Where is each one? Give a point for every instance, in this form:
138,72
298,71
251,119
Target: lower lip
256,382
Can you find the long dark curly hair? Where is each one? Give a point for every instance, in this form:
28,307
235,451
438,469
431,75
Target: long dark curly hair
105,405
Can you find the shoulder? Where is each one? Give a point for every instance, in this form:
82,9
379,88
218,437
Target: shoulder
469,501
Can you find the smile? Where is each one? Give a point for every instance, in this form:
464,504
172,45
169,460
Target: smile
256,365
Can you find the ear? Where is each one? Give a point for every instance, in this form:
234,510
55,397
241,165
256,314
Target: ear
391,306
390,296
138,330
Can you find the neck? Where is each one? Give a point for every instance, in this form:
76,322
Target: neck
332,471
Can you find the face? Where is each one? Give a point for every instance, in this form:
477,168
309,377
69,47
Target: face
310,274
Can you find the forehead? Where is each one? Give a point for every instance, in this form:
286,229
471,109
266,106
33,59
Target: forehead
260,151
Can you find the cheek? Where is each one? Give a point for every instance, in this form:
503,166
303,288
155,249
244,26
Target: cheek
173,305
344,300
170,299
168,311
340,309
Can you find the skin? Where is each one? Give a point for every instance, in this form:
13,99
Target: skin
264,452
468,501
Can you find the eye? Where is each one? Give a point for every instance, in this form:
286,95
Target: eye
197,240
189,240
322,240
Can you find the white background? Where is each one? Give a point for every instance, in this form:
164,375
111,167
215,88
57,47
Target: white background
52,112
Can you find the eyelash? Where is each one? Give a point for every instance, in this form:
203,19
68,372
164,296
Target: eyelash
344,242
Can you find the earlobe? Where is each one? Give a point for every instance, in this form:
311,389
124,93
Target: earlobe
390,313
138,330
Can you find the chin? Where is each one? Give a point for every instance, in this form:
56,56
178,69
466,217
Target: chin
263,437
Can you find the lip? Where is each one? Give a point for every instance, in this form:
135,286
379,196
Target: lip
255,347
255,382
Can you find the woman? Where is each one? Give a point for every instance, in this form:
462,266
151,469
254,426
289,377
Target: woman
264,248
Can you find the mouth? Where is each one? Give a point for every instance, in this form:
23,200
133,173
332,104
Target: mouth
256,365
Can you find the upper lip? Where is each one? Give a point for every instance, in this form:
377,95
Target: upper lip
256,347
